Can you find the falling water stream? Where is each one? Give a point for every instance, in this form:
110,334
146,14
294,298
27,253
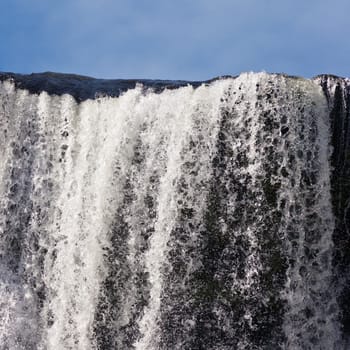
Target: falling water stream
208,216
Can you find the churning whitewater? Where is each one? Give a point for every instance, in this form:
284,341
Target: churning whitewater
192,218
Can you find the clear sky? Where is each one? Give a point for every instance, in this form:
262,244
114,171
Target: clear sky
175,39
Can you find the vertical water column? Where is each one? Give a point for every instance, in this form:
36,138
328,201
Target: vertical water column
166,139
20,288
312,313
97,154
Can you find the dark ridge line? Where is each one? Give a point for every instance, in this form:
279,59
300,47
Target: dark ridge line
82,87
329,76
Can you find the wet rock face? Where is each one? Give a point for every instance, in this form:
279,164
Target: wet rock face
338,94
175,215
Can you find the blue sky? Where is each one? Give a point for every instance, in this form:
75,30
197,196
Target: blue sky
175,39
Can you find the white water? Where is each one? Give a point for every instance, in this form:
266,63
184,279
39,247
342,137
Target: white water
84,174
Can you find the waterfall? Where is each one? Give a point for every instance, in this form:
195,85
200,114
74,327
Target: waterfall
175,215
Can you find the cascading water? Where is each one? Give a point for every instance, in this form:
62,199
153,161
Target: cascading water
185,216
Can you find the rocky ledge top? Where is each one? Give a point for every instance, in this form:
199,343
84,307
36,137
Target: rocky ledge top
83,87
